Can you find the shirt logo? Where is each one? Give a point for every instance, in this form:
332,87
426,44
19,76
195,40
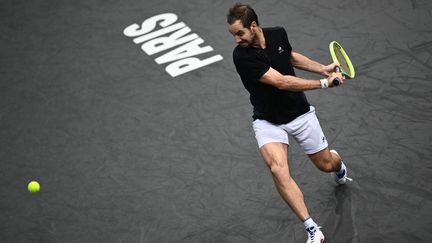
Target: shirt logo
280,50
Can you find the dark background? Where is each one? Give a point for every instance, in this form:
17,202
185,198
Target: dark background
126,153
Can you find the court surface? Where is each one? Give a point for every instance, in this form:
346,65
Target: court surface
125,152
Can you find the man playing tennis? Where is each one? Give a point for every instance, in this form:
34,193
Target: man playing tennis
264,60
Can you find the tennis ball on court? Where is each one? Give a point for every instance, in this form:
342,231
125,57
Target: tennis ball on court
33,187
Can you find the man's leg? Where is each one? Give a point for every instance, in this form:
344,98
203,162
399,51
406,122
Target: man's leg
326,161
276,157
330,161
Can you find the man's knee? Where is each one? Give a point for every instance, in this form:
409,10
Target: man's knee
325,161
326,164
279,171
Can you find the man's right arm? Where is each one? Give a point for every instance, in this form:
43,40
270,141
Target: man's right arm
287,82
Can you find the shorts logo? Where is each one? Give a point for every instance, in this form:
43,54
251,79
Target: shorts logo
323,139
185,46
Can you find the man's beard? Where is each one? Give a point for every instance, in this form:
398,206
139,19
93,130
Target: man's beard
247,44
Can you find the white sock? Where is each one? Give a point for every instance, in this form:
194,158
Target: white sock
308,223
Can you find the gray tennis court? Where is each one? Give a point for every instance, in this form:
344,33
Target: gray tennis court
134,146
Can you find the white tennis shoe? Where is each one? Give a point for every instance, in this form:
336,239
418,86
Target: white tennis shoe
341,179
315,235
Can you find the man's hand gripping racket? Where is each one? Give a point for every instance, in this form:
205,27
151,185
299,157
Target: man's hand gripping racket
344,63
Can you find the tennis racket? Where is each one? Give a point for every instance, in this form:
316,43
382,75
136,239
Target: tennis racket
340,57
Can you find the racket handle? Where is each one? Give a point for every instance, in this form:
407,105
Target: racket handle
336,81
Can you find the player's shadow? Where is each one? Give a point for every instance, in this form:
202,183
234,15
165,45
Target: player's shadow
340,227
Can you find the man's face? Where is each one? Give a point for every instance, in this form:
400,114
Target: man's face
243,36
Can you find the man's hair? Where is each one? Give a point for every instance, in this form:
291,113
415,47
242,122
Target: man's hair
244,13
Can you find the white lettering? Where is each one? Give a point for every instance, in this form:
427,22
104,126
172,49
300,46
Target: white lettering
183,58
157,33
164,43
190,49
150,24
186,65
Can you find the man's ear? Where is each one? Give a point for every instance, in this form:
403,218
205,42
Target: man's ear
253,25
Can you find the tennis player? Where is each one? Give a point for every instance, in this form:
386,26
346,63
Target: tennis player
265,62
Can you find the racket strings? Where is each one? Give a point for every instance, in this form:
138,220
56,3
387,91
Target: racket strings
342,62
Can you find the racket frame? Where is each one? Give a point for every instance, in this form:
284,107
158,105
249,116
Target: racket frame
335,44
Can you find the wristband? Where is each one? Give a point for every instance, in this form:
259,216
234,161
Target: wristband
324,83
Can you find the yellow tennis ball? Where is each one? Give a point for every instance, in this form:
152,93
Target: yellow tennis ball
33,187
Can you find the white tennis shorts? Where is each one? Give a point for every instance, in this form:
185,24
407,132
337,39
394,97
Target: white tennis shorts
305,129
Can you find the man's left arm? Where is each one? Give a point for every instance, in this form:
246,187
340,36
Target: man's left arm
304,63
